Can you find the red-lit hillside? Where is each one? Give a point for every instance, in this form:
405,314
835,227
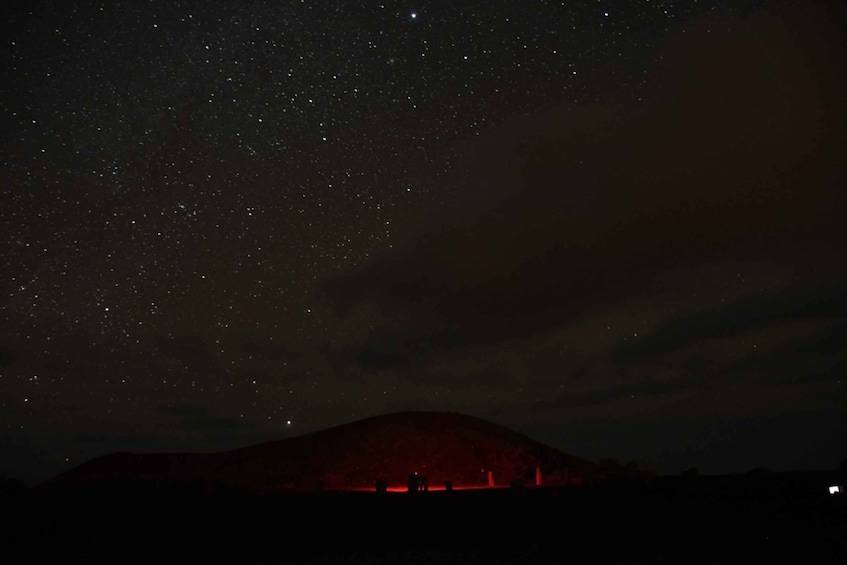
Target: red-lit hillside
438,445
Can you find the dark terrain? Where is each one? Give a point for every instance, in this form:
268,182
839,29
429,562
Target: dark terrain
706,520
313,499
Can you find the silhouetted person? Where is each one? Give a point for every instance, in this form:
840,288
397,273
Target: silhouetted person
381,486
412,483
448,486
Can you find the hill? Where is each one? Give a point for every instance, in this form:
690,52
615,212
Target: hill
439,445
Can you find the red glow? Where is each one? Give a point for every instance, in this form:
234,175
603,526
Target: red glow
404,488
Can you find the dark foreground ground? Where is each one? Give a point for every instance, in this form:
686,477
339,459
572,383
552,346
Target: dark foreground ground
668,521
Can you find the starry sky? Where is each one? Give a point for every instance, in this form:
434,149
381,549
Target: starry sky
615,226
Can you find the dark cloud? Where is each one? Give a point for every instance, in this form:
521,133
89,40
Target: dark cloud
196,419
786,370
818,358
801,333
649,387
831,341
738,152
745,315
803,439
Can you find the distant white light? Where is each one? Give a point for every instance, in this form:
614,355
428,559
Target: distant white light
835,489
414,15
288,422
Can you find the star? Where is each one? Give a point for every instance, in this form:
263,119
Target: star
213,214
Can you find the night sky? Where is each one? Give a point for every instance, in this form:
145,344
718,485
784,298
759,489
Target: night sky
615,226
